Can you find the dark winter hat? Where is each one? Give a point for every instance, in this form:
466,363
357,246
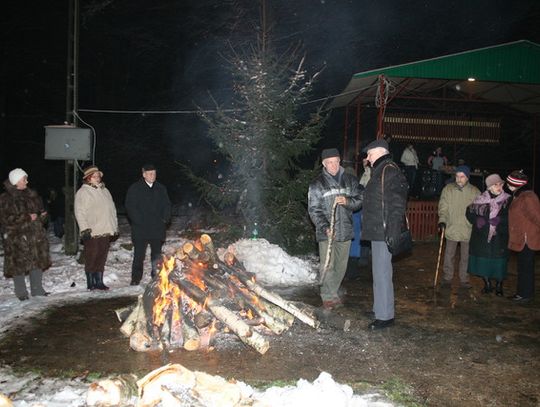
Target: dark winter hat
89,171
464,169
376,143
329,152
148,167
517,178
493,179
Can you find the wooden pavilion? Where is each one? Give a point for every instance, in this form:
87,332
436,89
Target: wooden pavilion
487,98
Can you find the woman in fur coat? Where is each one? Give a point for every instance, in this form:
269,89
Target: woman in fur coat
26,248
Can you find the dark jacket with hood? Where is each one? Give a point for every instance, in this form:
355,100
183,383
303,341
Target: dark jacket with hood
148,209
25,241
395,201
322,193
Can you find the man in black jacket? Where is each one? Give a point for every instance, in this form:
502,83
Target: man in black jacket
385,201
333,185
149,210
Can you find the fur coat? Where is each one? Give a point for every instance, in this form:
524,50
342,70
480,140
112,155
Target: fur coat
25,241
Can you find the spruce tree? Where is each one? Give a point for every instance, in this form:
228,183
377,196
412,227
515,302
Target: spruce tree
264,137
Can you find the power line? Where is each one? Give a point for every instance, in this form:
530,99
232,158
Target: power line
143,112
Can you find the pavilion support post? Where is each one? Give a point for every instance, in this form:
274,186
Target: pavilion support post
357,160
381,100
535,149
346,133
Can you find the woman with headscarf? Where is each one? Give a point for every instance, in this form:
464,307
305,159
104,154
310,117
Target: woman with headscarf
524,232
96,217
26,248
488,247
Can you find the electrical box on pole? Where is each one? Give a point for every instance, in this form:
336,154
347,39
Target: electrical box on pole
67,143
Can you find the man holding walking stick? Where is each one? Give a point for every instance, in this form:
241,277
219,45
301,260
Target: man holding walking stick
455,198
332,198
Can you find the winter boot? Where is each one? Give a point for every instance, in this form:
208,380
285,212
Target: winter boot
36,287
89,281
499,288
20,287
487,286
98,282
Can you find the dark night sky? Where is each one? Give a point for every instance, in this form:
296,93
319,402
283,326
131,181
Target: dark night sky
168,55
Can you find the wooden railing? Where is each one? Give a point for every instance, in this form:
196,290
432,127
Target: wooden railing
423,219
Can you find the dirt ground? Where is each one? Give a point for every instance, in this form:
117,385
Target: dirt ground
463,348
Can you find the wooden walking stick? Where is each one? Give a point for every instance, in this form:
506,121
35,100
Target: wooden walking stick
439,258
330,243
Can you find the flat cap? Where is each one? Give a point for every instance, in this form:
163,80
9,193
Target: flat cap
376,143
329,152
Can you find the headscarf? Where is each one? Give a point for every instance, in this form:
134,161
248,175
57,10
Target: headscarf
481,204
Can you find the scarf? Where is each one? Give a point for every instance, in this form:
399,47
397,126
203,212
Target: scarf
486,201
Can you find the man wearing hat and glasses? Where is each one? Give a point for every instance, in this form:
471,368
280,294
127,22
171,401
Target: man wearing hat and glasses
96,216
333,185
455,198
385,201
149,211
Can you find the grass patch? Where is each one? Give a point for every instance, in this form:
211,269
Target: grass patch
266,384
401,393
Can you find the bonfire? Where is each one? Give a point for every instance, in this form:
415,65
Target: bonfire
197,294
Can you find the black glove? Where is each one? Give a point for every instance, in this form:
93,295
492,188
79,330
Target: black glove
114,237
442,226
86,234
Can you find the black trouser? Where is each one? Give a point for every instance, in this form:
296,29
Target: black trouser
525,272
139,251
410,174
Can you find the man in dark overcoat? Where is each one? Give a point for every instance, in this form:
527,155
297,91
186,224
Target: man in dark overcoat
149,210
385,201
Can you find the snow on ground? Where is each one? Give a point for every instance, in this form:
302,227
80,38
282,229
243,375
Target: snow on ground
66,282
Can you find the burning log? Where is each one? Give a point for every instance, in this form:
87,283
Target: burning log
191,336
270,296
243,296
235,324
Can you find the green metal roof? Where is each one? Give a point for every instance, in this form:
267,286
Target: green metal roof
516,62
508,74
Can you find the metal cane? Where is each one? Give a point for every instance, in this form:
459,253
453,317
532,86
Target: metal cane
439,258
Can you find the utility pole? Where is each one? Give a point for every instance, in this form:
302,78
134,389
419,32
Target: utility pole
71,236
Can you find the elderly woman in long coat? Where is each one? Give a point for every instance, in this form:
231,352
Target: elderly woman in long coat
488,247
26,248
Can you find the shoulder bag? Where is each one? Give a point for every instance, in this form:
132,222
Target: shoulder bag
403,242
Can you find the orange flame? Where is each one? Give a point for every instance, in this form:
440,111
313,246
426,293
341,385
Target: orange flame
167,293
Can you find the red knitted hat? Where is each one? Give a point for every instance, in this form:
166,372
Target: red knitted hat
517,178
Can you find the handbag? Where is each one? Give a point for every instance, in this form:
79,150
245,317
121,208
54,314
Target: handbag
403,242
